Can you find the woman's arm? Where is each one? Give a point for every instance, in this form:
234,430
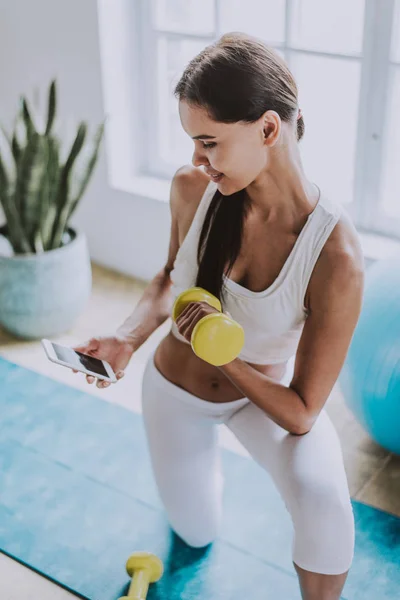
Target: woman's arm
334,305
155,306
335,301
282,404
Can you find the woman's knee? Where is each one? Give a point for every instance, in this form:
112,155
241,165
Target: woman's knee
322,501
196,540
196,536
194,516
320,494
323,521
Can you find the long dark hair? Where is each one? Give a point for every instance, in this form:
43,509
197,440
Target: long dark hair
238,78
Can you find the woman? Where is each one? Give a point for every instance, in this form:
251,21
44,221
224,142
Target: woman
285,260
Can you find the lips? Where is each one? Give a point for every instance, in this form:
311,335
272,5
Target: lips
215,176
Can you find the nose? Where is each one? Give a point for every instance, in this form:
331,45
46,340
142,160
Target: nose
198,159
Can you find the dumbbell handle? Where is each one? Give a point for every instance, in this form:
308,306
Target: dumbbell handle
139,586
216,338
144,568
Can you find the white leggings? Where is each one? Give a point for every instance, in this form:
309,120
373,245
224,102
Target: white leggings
307,470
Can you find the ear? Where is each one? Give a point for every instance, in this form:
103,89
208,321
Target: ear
271,127
268,129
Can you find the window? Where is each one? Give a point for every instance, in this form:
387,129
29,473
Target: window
345,57
389,192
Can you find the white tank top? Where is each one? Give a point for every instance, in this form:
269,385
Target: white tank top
272,319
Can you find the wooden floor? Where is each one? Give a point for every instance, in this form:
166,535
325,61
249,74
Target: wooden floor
373,473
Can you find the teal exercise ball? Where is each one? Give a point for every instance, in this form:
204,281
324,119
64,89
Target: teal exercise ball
370,377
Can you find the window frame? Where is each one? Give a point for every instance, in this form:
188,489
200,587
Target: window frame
375,89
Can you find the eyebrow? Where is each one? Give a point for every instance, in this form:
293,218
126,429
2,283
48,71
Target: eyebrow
204,137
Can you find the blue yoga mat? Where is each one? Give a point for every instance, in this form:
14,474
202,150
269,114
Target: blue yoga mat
78,497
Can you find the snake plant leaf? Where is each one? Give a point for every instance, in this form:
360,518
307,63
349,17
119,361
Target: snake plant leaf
24,173
48,198
7,155
82,180
54,169
66,169
4,179
15,232
15,148
4,132
14,142
26,115
43,200
51,111
4,202
63,186
5,199
4,186
60,221
34,190
47,227
38,190
38,242
76,148
20,129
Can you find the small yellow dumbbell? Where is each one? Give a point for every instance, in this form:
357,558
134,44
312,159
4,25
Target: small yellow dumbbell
216,338
145,568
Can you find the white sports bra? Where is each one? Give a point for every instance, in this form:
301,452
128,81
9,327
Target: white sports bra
272,319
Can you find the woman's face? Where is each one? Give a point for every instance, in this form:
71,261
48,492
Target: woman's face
234,154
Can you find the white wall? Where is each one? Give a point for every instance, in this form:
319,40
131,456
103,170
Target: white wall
41,39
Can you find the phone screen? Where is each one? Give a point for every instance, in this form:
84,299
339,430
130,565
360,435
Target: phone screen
75,358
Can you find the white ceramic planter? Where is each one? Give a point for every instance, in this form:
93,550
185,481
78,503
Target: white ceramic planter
41,295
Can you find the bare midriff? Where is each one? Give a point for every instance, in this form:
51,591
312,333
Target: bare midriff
177,362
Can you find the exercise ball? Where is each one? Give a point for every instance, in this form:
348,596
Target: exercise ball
370,377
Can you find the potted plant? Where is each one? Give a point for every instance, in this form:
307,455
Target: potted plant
45,278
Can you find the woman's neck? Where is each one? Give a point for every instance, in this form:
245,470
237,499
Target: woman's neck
282,188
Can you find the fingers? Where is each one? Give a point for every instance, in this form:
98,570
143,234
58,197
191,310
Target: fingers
89,378
84,348
89,346
188,319
104,384
100,382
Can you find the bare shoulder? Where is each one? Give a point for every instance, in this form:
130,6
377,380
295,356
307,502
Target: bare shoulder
187,188
340,267
336,295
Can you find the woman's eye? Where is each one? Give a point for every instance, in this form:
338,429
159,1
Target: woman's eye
208,146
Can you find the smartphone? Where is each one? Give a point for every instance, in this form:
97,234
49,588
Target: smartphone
67,357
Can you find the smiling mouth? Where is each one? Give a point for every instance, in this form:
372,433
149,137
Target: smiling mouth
216,177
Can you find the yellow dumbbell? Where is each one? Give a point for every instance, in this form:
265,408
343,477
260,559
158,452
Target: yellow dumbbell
145,568
216,338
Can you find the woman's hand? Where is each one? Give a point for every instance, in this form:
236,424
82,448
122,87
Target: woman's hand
117,350
191,315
